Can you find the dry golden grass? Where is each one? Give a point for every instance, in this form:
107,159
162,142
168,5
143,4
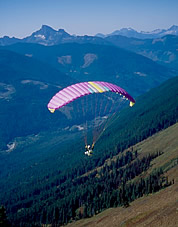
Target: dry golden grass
155,210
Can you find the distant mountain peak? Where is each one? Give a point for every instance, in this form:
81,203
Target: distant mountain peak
130,32
46,27
47,30
127,29
47,36
173,27
44,30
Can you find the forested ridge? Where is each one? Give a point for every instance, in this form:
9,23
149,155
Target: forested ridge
83,190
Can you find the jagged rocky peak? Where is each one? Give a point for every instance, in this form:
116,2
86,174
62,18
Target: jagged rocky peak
47,34
45,30
44,26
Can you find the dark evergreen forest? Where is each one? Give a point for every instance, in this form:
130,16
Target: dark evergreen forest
84,189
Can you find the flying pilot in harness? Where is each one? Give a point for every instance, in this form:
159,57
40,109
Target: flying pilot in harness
89,149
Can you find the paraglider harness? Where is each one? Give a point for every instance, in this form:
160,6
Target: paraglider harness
89,149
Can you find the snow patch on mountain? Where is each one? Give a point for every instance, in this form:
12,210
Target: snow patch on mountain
40,36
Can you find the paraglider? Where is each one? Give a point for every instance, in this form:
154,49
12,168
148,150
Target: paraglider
89,149
75,91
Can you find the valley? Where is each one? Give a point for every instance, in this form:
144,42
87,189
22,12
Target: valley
131,177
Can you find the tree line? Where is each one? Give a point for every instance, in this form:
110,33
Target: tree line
77,196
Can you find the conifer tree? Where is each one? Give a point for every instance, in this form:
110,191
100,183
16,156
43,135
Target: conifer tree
3,217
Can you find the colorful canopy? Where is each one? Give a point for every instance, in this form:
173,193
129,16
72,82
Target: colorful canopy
78,90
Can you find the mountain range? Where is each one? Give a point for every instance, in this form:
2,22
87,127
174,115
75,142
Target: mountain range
44,176
129,32
160,45
49,36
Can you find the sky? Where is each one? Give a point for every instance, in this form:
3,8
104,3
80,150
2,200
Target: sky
20,18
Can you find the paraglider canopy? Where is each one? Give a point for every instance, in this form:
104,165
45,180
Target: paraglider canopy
78,90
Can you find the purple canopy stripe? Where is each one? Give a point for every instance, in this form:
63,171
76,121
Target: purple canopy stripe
78,90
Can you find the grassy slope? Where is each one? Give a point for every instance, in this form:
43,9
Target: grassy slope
157,209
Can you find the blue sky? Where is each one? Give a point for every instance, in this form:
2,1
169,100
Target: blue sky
20,18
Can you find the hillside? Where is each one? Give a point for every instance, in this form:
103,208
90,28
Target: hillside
162,50
25,67
83,62
26,85
44,189
157,209
152,110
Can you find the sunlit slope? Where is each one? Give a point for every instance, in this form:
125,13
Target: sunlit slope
154,210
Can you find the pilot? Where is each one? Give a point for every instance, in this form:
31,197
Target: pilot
89,150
